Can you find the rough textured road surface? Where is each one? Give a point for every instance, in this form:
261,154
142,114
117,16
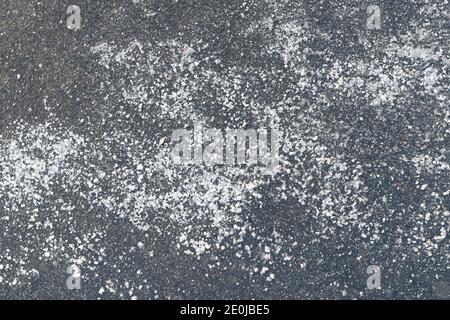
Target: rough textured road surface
86,171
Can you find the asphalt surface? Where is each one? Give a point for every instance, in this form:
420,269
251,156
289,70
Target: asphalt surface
87,178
